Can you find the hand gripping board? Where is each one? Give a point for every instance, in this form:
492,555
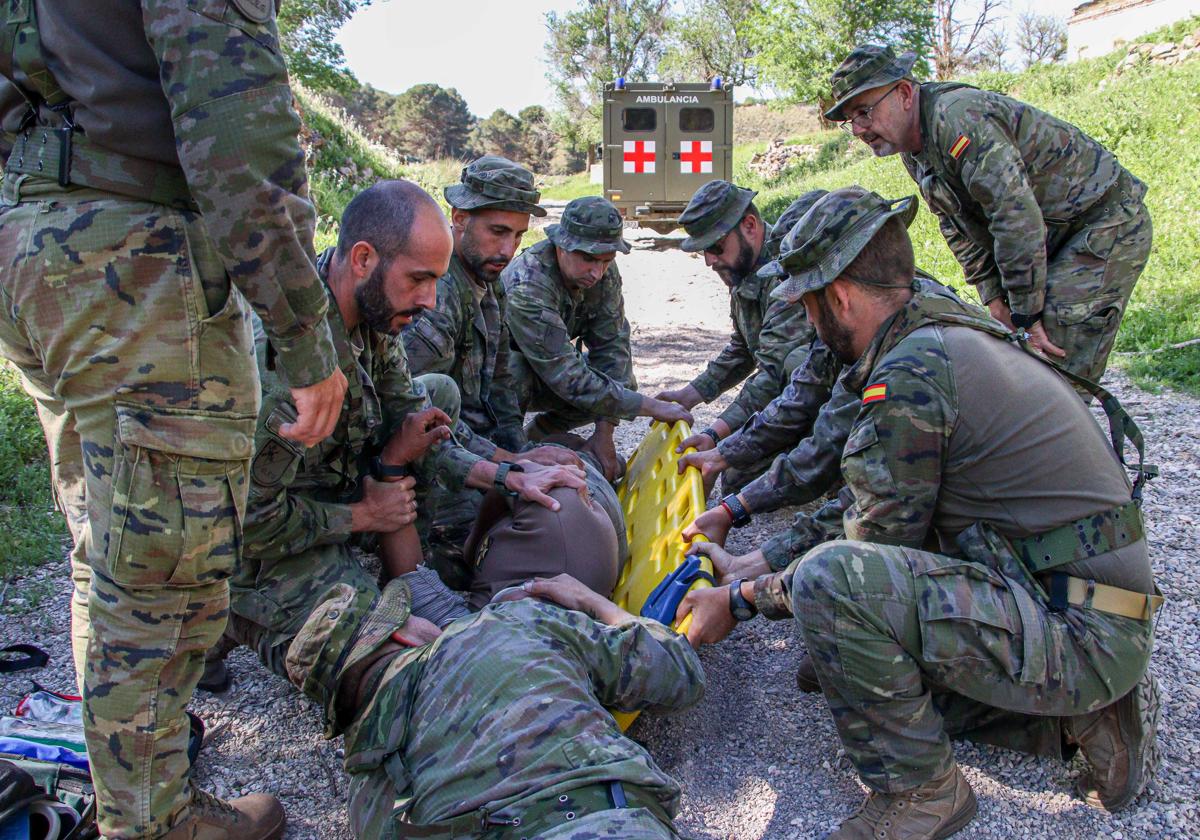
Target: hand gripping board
658,504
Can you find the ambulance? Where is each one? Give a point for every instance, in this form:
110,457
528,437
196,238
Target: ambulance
662,142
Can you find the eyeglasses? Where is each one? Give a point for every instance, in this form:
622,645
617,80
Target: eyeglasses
718,247
863,118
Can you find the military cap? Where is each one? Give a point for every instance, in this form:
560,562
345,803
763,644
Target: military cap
590,224
349,624
495,183
831,234
715,210
867,67
783,225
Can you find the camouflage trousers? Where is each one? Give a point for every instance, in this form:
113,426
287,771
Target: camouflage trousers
912,647
554,415
122,322
1089,279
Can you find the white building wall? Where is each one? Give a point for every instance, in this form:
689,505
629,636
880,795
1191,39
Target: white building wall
1095,36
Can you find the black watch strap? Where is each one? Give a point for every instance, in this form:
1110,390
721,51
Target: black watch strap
1025,321
741,609
383,472
712,433
502,472
737,511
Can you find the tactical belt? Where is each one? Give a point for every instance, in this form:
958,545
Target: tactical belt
540,815
68,157
1066,590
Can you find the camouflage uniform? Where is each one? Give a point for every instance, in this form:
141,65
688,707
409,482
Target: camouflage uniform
551,375
967,442
770,336
1037,212
297,534
424,763
124,240
466,337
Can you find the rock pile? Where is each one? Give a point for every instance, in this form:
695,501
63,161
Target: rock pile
1166,54
779,156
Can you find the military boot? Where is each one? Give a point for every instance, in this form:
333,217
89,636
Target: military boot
258,816
216,679
1119,743
806,676
934,810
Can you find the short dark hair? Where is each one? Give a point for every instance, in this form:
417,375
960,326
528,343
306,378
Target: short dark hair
885,265
752,210
382,216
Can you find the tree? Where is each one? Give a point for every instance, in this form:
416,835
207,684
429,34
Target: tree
538,138
955,41
430,121
801,42
306,32
992,49
1041,38
500,134
711,38
599,42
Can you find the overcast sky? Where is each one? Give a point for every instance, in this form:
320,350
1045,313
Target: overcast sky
491,52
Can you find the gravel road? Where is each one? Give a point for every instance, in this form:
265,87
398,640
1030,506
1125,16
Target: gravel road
757,760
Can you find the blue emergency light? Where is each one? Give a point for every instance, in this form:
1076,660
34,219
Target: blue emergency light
716,83
620,84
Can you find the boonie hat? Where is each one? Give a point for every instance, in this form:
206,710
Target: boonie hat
590,224
715,210
868,66
831,234
495,183
783,225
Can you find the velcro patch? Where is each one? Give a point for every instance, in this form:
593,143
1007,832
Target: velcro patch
875,393
259,11
960,146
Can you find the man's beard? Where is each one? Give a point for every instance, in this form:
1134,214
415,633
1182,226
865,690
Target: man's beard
373,305
834,333
484,268
741,266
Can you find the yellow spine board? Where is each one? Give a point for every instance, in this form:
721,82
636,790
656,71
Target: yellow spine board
658,504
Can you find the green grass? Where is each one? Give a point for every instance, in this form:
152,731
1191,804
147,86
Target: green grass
570,187
1149,117
31,530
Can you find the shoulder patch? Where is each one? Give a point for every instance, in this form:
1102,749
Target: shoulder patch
874,393
959,146
259,11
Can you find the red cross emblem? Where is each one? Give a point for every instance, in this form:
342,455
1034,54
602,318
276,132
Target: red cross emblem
639,156
696,156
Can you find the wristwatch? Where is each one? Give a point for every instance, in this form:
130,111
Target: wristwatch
712,433
736,510
386,472
502,475
742,609
1024,322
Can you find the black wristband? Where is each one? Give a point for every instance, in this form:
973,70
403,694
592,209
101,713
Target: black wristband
502,472
737,511
739,607
712,433
1024,322
385,472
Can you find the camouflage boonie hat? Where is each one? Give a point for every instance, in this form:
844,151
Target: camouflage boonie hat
783,226
831,234
868,66
349,624
495,183
715,210
590,224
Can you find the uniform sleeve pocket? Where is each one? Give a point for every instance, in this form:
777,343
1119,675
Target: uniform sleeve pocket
179,496
256,18
276,455
865,465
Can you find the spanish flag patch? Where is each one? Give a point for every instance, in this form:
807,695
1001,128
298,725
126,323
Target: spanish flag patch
960,146
875,393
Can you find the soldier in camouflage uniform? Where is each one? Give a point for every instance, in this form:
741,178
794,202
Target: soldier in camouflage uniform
1032,626
308,508
465,336
154,188
770,336
1046,223
509,762
567,289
